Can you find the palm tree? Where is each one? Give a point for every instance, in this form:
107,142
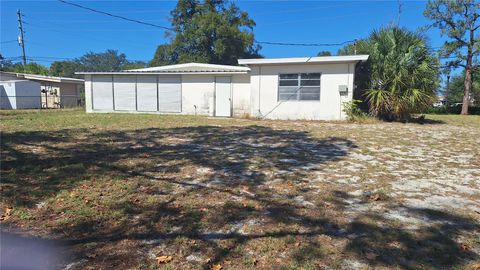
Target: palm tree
403,73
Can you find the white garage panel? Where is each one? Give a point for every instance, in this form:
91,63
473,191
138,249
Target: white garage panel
124,92
170,93
147,93
102,95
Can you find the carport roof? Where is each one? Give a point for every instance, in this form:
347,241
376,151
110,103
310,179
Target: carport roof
44,78
188,68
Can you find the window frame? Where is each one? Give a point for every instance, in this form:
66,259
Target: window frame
299,82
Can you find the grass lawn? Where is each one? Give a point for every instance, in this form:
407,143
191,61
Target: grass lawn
117,191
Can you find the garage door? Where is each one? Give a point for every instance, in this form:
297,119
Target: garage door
124,93
170,93
147,93
102,95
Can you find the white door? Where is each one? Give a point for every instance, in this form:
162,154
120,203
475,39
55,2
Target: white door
170,93
102,92
223,96
124,92
147,93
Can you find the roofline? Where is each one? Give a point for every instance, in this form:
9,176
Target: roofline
159,72
302,60
161,68
46,78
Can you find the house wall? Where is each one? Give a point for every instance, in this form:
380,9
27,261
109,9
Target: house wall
19,95
264,92
197,90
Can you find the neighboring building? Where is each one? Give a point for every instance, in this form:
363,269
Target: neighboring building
441,101
312,88
19,94
57,92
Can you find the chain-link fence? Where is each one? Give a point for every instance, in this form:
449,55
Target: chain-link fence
41,102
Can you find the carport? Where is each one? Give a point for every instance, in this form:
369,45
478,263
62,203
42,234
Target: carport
192,88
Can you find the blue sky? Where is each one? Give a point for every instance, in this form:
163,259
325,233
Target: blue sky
57,30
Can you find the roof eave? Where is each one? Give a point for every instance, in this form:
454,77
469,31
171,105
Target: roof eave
305,60
160,72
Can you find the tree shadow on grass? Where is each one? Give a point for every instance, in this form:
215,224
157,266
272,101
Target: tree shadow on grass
206,189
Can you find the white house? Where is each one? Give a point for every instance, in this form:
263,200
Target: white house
313,88
56,91
19,94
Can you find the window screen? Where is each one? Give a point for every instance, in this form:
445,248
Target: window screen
299,86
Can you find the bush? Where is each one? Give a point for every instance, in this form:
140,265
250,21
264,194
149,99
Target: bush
474,110
353,111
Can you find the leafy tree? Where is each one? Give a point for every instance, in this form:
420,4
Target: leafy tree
164,55
209,31
459,21
66,68
30,68
324,53
134,65
400,77
4,63
110,60
455,91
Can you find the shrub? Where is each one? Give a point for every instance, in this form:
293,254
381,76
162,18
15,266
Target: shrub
474,110
353,111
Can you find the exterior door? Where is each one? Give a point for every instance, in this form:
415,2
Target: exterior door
223,96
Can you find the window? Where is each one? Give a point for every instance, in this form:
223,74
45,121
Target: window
302,86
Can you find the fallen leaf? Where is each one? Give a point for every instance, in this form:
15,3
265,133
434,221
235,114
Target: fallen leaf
164,259
216,267
374,197
297,244
476,266
465,247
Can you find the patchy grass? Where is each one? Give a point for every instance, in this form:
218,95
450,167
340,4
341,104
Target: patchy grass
118,190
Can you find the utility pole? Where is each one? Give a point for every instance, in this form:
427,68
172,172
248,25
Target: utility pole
21,40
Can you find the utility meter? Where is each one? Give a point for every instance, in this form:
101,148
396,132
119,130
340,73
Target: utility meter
343,90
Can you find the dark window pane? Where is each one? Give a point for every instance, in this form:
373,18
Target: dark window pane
310,76
288,76
288,83
310,82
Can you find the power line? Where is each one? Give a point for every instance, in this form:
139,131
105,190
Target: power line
115,16
306,44
9,41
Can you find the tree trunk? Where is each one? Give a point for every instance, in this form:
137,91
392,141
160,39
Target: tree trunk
466,93
468,70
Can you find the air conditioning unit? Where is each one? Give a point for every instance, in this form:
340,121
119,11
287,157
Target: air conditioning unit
343,90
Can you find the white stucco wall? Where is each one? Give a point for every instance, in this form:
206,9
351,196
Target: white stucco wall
20,94
197,94
241,95
264,92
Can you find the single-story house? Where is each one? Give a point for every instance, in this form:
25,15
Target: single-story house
57,92
19,94
312,88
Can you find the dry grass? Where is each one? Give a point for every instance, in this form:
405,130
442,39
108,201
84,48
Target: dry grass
117,190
